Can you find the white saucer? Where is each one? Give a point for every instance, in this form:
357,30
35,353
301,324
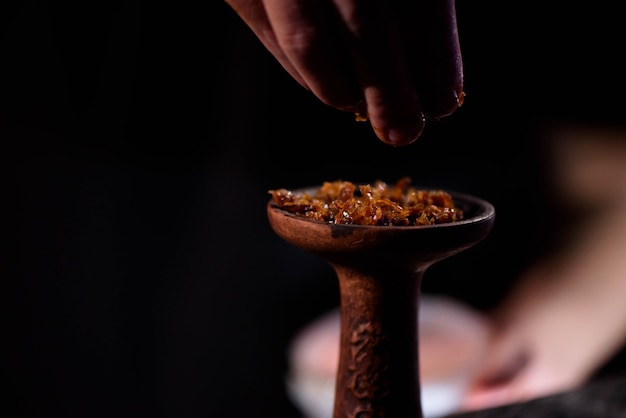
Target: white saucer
453,340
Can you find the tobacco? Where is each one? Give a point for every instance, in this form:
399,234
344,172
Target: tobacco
344,202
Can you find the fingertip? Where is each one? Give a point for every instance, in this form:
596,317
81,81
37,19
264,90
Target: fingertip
398,137
446,103
403,133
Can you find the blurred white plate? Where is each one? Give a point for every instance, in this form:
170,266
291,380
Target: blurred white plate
452,338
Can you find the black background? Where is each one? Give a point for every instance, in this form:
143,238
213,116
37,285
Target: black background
140,276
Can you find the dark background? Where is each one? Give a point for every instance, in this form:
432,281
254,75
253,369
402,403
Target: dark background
140,276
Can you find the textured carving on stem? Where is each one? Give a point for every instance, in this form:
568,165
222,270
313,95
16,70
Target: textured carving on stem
368,369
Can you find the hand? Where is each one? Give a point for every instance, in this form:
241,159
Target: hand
566,317
395,63
517,370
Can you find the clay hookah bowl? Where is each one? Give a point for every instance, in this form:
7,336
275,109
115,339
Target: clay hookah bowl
380,270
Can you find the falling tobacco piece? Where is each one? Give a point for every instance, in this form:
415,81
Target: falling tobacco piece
343,202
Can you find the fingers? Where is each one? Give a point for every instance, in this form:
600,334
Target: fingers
429,32
252,12
312,36
396,64
408,62
306,37
378,56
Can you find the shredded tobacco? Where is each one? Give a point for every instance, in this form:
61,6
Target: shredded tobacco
343,202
